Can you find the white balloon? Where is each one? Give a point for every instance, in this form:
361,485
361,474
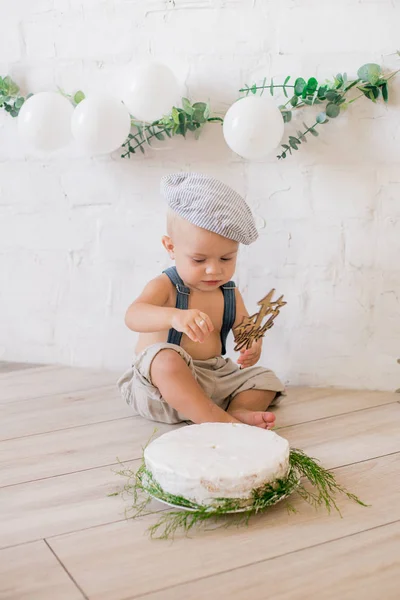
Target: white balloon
44,121
151,92
100,123
253,127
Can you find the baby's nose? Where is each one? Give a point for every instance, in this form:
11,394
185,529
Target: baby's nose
212,267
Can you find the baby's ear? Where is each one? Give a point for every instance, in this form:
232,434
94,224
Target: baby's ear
168,245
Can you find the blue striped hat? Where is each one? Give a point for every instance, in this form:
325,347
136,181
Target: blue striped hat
210,204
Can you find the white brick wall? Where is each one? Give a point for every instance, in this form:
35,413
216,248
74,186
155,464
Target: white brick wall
79,237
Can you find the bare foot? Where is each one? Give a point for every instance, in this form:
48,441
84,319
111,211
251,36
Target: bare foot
265,420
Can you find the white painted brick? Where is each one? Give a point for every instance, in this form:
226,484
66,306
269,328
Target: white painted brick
80,237
94,39
343,192
209,32
388,245
20,8
39,37
10,41
338,28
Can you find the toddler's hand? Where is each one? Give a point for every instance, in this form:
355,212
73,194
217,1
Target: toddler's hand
194,323
251,356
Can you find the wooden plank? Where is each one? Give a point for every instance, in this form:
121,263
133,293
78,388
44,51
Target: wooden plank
61,411
40,509
349,438
304,404
46,381
32,572
7,367
45,455
336,441
365,565
120,561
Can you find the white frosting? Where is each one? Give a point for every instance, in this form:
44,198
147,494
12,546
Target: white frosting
217,460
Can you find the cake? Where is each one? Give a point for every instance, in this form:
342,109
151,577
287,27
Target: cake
216,460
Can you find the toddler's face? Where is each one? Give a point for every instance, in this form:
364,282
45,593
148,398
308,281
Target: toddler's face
204,260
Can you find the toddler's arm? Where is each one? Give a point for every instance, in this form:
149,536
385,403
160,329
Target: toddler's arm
148,313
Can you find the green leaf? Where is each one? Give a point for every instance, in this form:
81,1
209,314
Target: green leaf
351,84
19,102
370,73
10,86
271,87
312,85
263,86
175,115
370,91
187,107
284,86
182,129
332,96
254,89
321,92
159,136
207,111
141,149
294,142
332,110
302,137
299,86
286,114
385,92
79,96
294,100
338,80
314,132
321,117
199,110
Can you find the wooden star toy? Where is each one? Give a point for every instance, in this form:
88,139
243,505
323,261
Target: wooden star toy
251,328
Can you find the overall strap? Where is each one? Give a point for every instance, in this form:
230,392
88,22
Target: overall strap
229,312
182,301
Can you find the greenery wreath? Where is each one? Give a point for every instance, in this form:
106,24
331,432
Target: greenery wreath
333,96
142,486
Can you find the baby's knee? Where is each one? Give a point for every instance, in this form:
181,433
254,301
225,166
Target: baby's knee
166,362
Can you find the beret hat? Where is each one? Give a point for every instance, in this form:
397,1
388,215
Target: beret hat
210,204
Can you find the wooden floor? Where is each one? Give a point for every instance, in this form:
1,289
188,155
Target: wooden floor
63,431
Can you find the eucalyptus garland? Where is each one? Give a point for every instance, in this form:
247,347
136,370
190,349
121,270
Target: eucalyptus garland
333,95
142,486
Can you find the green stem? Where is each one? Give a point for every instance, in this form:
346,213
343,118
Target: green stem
304,133
131,149
264,87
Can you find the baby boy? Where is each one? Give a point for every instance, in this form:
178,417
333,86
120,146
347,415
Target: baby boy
184,315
